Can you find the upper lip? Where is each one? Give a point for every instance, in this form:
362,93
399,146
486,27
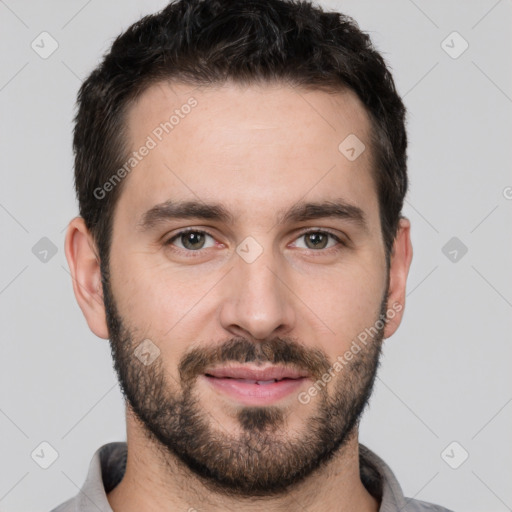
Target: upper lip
247,372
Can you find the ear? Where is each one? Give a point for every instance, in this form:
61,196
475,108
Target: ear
84,264
400,261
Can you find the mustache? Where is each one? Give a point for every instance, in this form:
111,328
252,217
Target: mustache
241,350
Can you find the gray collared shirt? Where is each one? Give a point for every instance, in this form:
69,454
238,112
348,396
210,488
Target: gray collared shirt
109,463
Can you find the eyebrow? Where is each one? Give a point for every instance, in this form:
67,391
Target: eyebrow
300,212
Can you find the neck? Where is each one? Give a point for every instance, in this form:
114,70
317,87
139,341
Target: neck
155,481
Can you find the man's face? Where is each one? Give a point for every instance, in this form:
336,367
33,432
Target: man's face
253,291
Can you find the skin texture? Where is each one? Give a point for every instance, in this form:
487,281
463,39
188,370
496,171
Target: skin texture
258,151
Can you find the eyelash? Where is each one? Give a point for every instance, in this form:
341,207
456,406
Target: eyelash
193,254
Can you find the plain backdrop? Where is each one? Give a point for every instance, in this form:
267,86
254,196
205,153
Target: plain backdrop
443,391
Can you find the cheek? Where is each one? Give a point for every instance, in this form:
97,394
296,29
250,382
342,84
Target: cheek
163,305
346,302
157,310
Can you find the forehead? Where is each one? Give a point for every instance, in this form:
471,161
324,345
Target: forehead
254,148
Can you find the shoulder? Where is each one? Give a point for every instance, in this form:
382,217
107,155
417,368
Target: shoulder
423,506
67,506
381,482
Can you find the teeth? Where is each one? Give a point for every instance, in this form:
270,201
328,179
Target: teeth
248,381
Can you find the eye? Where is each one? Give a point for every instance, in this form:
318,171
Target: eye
190,239
193,240
318,239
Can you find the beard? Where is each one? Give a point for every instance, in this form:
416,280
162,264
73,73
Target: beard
263,459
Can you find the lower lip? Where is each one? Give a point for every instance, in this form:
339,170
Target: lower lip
256,394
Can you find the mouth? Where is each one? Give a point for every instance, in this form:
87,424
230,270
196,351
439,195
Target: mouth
255,386
250,381
269,374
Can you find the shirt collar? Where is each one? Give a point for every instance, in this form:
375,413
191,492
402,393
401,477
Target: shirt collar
108,465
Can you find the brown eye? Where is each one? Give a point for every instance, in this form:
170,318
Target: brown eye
318,240
190,240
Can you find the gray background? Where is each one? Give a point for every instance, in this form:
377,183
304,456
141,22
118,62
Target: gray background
445,375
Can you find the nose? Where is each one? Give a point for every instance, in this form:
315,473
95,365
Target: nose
257,300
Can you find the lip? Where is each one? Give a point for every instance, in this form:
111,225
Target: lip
241,383
258,374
